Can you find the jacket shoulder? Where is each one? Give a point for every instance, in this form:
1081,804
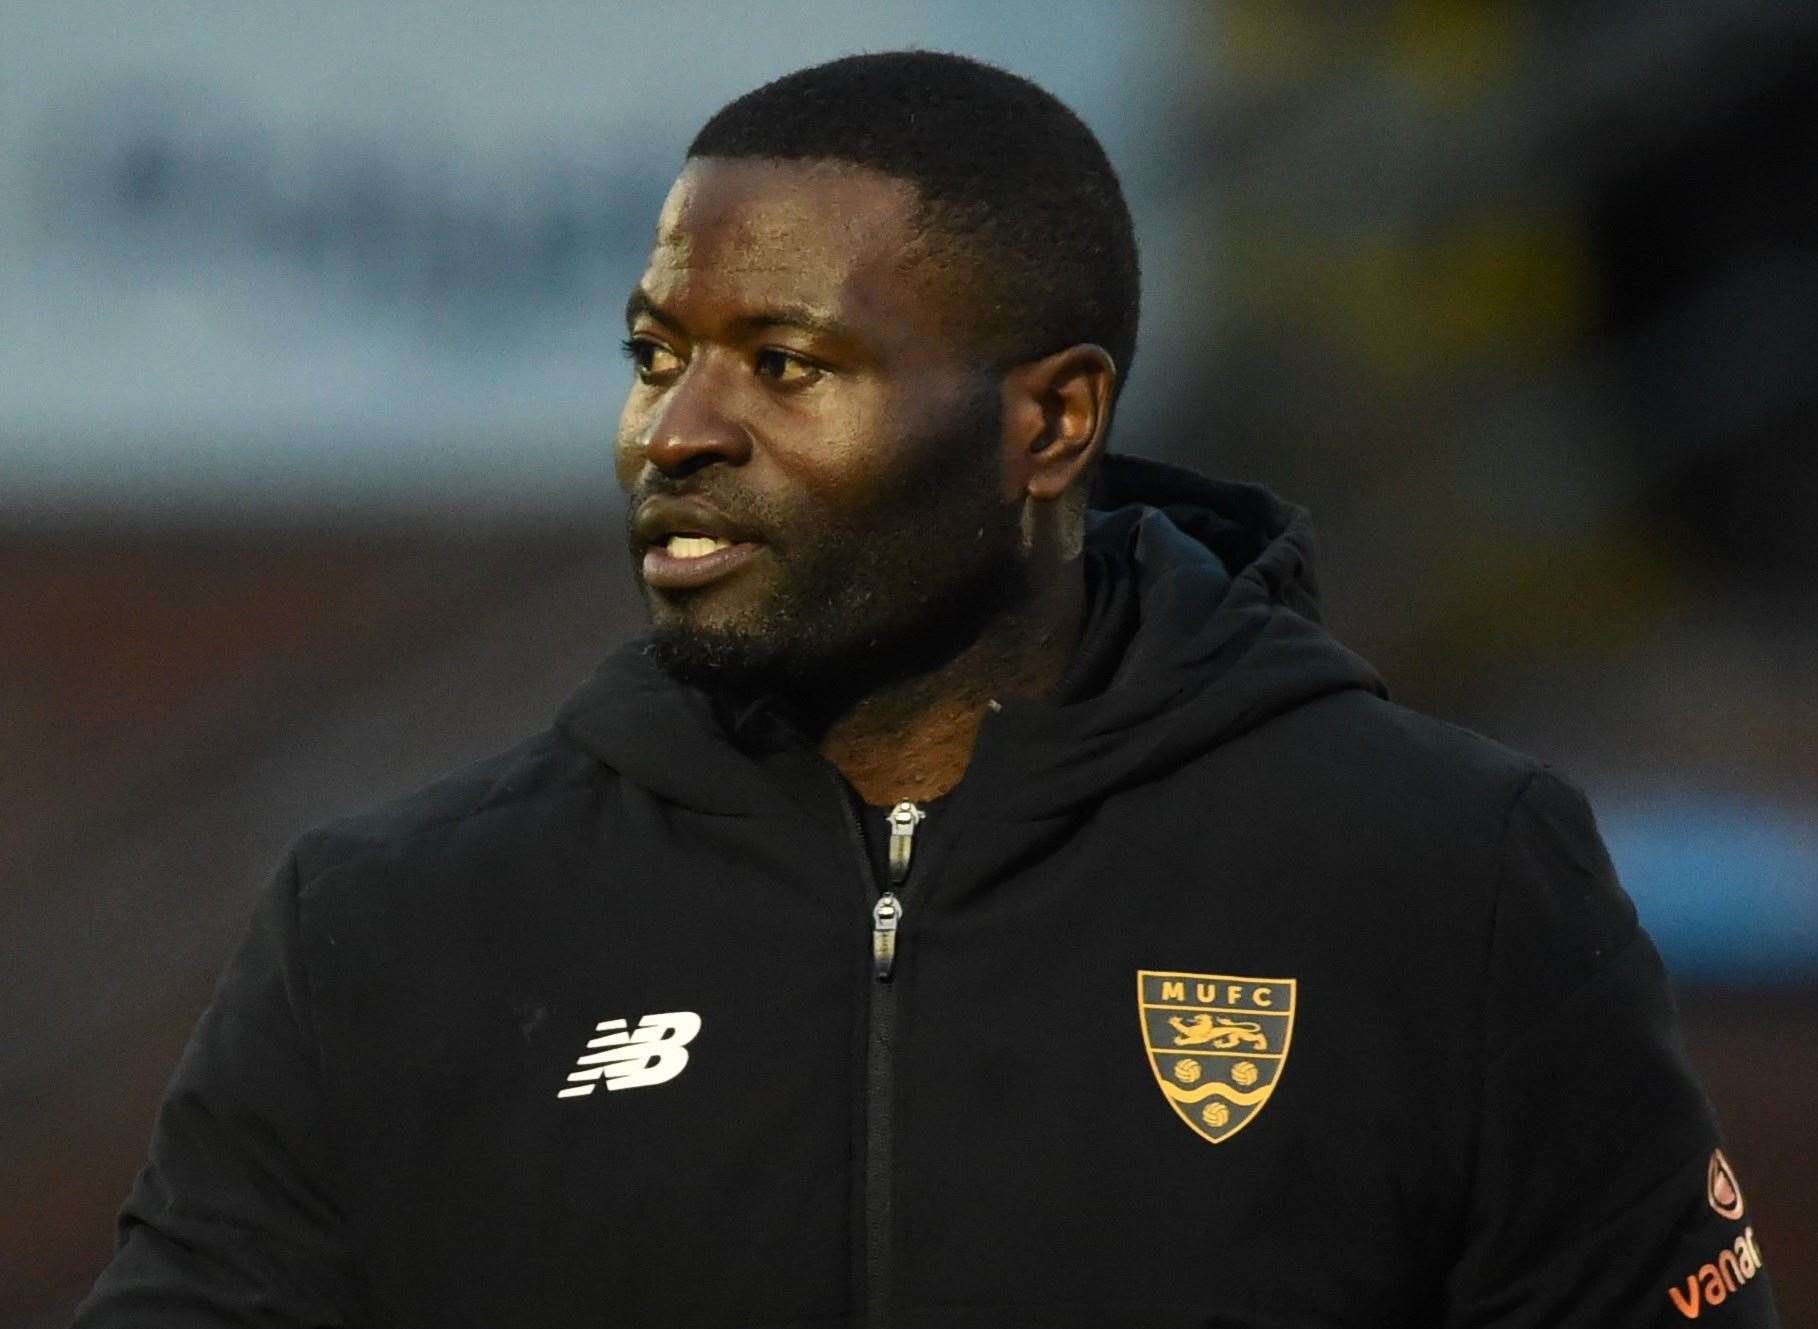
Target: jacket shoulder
1429,811
1396,767
532,774
1519,843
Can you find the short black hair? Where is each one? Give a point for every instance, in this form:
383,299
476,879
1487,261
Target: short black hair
1004,170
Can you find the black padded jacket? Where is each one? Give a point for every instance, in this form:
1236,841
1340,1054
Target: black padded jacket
1221,992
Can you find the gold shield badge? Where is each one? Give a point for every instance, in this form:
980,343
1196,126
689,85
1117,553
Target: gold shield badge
1217,1044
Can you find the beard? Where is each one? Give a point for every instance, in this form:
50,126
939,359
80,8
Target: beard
864,596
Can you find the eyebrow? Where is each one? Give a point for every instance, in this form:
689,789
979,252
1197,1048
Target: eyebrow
804,318
640,303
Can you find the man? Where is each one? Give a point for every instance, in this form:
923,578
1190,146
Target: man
961,909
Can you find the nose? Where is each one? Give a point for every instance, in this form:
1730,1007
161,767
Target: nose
694,426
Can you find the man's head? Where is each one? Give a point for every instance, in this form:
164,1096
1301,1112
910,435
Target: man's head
1011,187
877,343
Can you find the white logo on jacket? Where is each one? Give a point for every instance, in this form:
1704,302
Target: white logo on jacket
653,1052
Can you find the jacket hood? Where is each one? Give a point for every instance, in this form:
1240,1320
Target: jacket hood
1225,633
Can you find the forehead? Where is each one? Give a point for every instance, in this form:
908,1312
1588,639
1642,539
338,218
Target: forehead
755,233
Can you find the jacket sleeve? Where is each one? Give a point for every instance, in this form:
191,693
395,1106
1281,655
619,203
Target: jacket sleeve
233,1221
1597,1199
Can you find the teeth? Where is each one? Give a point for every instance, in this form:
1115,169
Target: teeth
695,546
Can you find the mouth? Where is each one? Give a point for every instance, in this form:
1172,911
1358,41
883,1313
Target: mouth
686,543
689,559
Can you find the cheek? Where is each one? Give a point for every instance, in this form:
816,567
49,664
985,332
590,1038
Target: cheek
837,447
628,451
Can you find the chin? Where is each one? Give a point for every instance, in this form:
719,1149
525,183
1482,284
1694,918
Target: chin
721,658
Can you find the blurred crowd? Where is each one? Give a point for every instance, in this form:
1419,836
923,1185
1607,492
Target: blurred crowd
1521,300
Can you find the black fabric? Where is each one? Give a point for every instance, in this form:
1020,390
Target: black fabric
1478,1113
1110,620
1112,612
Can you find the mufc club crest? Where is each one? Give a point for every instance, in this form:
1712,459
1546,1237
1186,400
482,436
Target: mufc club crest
1217,1044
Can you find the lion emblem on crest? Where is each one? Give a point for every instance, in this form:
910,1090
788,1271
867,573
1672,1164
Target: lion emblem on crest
1215,1031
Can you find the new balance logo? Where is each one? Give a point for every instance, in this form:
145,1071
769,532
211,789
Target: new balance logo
653,1052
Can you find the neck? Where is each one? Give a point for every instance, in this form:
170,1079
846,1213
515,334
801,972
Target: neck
913,738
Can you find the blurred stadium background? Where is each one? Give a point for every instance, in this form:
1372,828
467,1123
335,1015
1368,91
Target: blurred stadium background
308,377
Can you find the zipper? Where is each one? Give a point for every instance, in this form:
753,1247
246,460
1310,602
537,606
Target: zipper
887,913
880,1046
903,818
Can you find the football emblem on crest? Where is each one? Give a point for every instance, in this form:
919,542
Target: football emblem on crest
1216,1043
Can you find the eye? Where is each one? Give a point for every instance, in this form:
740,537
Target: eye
785,368
653,361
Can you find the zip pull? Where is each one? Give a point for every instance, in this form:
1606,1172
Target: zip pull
904,818
886,914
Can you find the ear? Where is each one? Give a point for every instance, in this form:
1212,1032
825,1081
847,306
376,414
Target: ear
1056,414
